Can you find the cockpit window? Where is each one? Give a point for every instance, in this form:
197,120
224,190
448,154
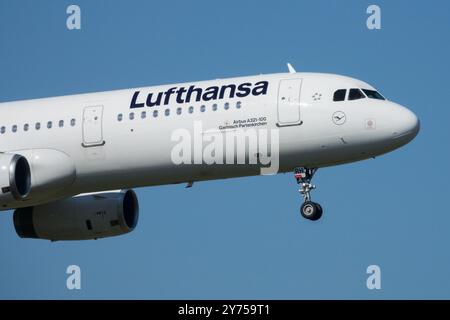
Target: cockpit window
372,94
355,94
339,95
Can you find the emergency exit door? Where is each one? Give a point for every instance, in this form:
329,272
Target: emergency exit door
289,102
92,126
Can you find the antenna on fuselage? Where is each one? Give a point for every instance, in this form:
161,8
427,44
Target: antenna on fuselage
291,68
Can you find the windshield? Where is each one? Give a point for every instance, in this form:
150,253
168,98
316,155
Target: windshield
372,94
355,94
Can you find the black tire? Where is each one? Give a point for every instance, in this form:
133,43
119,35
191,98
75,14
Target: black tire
311,211
320,208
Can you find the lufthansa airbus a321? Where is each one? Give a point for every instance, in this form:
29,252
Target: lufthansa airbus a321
68,164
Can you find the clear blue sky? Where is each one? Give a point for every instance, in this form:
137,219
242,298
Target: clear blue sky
244,238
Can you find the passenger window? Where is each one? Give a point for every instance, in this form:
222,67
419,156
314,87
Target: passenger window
143,115
355,94
238,105
178,110
119,117
49,125
339,95
214,107
26,126
191,109
155,113
227,106
3,130
132,116
73,122
38,125
167,112
202,108
61,123
14,128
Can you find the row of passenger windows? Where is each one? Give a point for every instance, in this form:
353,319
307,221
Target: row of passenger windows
179,111
37,126
355,94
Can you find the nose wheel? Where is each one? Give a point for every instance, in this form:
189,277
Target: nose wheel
309,210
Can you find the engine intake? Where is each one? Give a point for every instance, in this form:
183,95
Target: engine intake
15,178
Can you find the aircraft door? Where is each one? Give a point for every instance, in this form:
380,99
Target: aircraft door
92,126
289,102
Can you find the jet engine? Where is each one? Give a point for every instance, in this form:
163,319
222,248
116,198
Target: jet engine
51,172
15,178
34,175
84,217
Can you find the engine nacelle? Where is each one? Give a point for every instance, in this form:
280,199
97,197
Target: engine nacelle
15,178
51,172
83,217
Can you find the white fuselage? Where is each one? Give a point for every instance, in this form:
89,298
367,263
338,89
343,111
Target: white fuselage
314,131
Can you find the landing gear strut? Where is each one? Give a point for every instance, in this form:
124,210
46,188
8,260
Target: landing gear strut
309,209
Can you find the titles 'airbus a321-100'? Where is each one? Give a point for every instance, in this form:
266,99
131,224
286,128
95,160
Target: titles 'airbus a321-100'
67,164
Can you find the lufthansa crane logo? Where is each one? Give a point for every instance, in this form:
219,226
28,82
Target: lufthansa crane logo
339,118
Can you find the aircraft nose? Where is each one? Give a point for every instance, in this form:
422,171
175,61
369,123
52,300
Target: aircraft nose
407,125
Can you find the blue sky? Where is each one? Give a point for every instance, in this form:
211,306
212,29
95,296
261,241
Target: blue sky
244,238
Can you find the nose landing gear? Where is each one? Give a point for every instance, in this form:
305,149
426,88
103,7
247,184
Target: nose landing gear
309,209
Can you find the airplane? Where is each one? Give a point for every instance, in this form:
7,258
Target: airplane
68,165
